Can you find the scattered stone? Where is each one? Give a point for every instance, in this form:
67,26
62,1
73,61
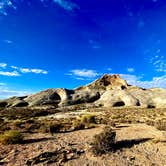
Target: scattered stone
58,156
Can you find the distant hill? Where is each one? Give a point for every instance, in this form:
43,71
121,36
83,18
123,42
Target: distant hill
107,91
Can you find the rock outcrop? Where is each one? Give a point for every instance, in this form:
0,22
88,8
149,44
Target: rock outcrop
108,91
116,98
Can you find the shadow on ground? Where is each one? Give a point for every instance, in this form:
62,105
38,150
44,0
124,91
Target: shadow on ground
29,141
129,143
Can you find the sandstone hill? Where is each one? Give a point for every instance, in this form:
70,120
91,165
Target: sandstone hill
107,91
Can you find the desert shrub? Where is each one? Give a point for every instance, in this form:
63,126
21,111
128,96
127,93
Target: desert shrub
103,142
85,121
44,128
1,120
30,125
55,127
11,137
78,125
88,118
161,125
150,122
52,127
18,123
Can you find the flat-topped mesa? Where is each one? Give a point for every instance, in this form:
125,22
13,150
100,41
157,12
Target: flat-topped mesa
109,82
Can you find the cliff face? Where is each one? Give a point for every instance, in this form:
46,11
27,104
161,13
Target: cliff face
108,91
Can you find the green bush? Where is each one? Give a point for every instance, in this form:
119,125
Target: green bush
11,137
103,142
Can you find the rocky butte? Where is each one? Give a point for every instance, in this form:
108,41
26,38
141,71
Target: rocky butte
107,91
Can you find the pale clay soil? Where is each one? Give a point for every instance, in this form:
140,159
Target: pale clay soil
146,153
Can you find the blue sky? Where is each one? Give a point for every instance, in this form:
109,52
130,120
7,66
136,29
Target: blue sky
68,43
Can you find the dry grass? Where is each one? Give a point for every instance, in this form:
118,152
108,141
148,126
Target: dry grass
11,137
24,113
161,124
85,121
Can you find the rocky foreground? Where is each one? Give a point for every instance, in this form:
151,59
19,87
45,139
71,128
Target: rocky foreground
140,138
107,91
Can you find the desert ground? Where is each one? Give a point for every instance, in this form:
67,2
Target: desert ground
65,136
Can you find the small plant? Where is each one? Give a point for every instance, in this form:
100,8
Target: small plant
88,118
104,141
161,125
11,137
85,121
78,125
51,127
150,122
55,127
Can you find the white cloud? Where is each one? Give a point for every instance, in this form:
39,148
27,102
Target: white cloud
94,44
83,74
25,70
109,69
4,4
2,84
3,65
6,92
14,67
130,70
36,71
67,4
137,80
29,70
39,71
9,74
8,41
158,62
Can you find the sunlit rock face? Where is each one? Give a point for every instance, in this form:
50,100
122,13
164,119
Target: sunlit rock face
107,91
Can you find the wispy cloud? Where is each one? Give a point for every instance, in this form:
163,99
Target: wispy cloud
4,5
9,74
137,80
94,44
2,84
158,61
3,65
36,71
6,92
109,69
17,71
39,71
8,41
130,70
67,4
29,70
83,74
